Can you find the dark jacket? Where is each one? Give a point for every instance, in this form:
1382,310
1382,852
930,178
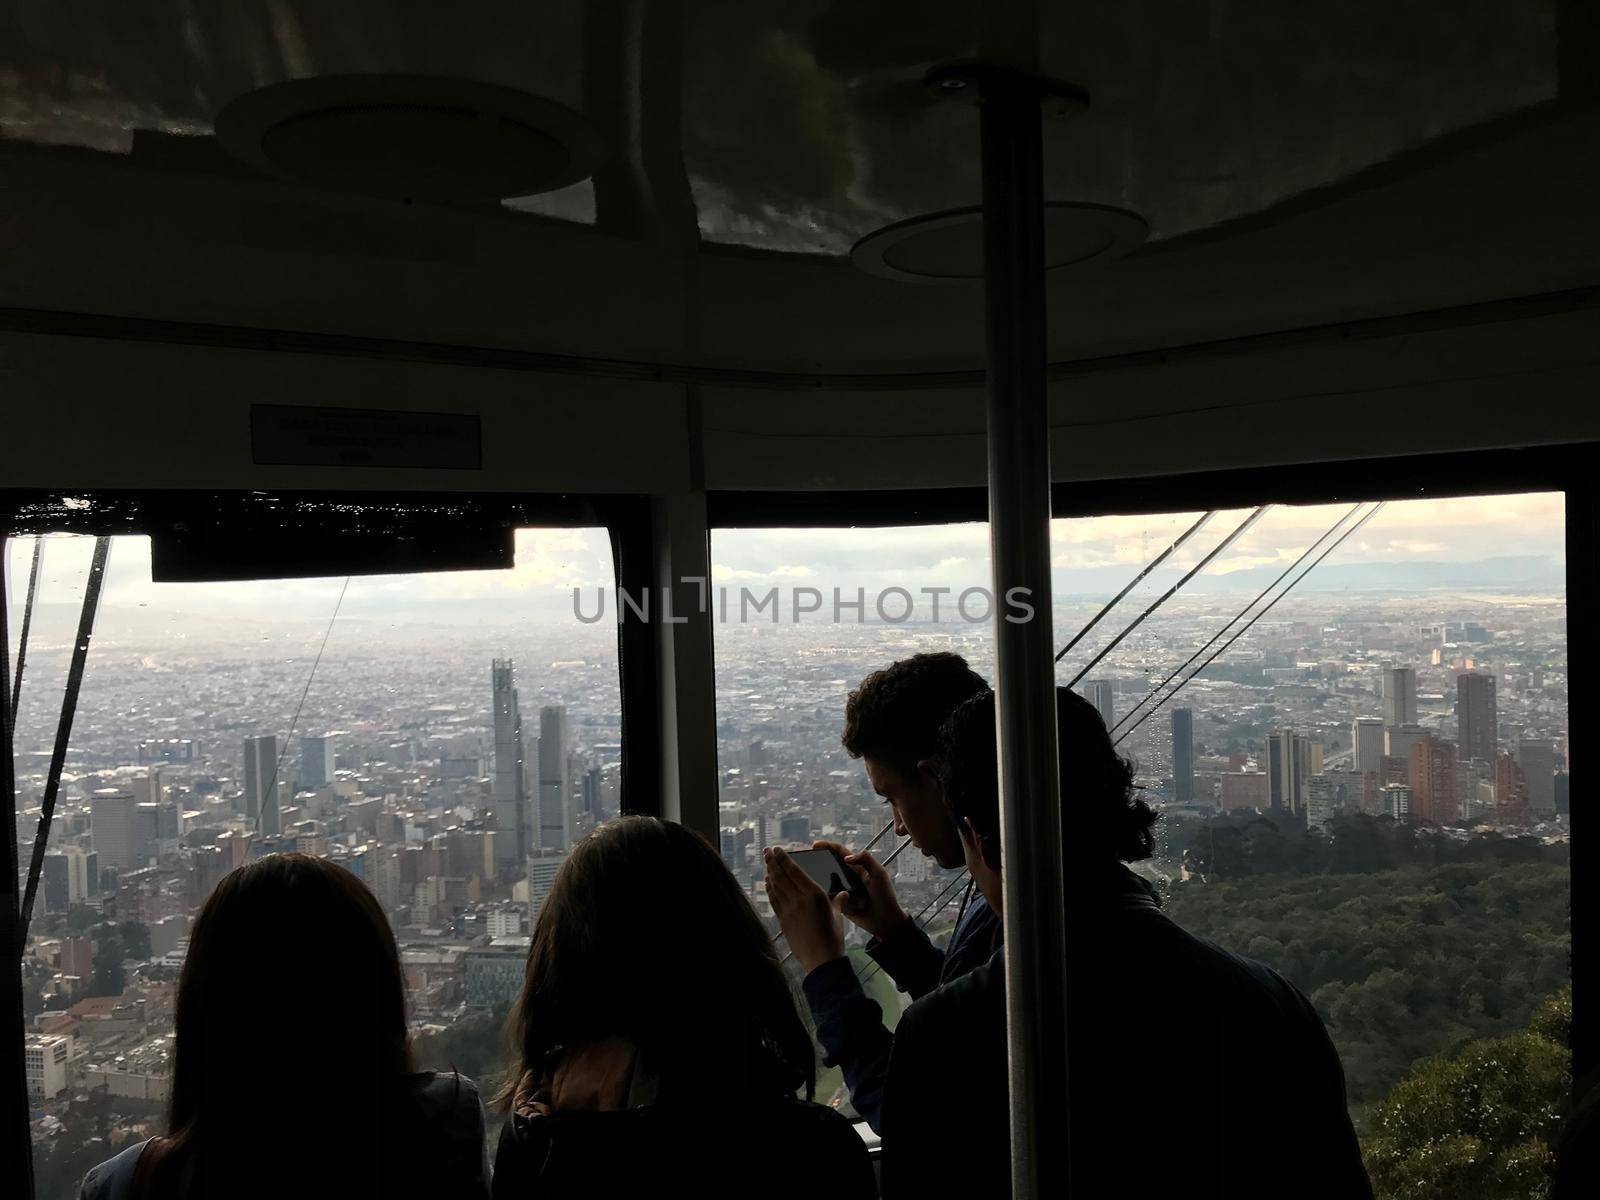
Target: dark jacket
1192,1071
850,1025
438,1116
780,1149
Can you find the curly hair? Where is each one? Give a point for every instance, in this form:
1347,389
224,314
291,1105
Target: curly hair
1105,817
895,713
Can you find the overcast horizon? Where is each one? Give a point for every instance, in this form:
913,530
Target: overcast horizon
1410,545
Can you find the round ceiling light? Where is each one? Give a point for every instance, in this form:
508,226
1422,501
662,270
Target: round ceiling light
947,247
411,137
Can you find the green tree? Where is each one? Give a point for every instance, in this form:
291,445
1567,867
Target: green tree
1480,1123
109,953
135,939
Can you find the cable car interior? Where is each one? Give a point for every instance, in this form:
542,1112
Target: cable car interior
431,434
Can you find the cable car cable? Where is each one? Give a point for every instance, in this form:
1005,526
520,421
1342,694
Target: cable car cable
27,622
1246,628
69,709
1310,550
1137,579
1172,591
295,720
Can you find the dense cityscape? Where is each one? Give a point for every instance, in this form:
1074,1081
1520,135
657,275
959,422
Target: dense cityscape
450,763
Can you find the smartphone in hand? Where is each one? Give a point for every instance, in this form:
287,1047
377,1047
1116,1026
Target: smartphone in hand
829,872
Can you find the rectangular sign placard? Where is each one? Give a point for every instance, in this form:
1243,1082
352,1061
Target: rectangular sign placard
296,436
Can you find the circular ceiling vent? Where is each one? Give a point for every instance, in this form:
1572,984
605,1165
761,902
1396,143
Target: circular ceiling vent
411,137
947,247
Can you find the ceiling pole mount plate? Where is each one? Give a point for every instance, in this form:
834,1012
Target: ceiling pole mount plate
967,80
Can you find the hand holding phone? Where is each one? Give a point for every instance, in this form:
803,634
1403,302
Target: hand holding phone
829,871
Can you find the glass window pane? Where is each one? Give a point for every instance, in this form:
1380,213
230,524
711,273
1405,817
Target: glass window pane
459,730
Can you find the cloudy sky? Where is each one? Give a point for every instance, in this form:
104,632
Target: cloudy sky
1090,556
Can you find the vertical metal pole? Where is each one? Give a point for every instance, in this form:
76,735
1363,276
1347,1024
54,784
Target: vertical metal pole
1019,532
16,1160
1583,647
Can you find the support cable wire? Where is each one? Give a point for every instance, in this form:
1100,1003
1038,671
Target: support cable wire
1172,591
27,623
1309,551
1246,627
931,910
69,709
1136,581
304,692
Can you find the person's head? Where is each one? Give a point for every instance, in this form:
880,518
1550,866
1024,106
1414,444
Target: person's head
891,723
646,935
1103,819
291,979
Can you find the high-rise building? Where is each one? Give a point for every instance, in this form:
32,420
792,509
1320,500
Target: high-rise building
114,826
555,813
1537,758
1321,801
1510,790
1289,765
510,770
1397,801
542,870
1102,694
1400,696
316,760
53,883
83,872
260,767
1183,755
1477,721
794,829
1433,781
1398,741
1367,744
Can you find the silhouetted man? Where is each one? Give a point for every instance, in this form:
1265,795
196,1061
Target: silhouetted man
1192,1071
892,721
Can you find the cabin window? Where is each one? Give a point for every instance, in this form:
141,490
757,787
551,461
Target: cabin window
396,723
1366,788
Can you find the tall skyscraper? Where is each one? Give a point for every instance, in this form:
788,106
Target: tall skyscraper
1289,765
555,813
1477,721
113,824
1510,790
512,844
316,760
1537,758
260,764
1367,741
1182,755
1400,696
1101,694
1433,781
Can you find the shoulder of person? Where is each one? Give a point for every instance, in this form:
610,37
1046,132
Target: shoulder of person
113,1179
449,1102
964,998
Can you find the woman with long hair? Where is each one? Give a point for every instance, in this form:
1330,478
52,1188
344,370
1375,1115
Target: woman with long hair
292,1070
656,1044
